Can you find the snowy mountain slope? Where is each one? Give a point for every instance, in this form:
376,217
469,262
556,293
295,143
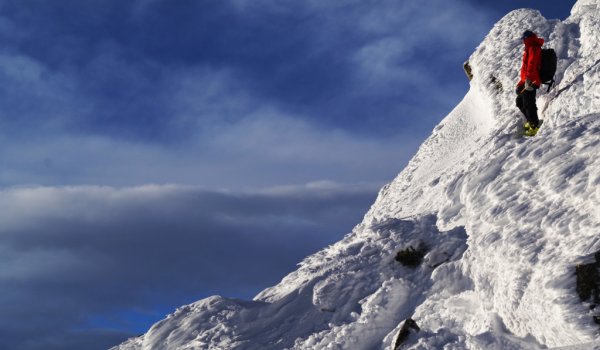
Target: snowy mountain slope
504,221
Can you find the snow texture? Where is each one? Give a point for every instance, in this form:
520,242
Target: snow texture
504,220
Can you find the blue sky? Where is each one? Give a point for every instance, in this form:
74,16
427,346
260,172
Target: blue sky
155,152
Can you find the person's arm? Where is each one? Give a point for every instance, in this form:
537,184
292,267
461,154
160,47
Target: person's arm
522,74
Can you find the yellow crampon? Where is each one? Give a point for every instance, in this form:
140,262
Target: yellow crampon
530,131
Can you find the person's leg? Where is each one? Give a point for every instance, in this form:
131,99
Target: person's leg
530,108
520,104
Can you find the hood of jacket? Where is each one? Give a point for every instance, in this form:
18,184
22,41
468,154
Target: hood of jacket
533,41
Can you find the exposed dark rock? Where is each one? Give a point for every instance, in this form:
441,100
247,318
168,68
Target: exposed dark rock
496,83
468,70
411,256
588,283
409,326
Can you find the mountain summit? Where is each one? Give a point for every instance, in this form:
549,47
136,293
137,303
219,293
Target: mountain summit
486,240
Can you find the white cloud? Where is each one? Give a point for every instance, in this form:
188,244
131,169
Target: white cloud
383,63
400,31
263,149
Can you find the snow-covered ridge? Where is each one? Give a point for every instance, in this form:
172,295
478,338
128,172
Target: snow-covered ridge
504,220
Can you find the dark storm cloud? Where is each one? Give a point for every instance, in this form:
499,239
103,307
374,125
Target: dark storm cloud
69,256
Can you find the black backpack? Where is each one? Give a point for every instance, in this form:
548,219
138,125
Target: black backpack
548,67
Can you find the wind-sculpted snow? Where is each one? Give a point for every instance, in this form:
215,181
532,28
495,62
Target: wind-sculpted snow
505,220
352,294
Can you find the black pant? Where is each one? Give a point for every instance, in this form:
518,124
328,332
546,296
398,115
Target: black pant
526,103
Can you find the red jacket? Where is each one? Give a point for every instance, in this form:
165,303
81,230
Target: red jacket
532,59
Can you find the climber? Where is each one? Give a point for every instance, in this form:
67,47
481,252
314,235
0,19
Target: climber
530,81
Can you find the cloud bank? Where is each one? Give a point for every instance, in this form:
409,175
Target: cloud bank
81,263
